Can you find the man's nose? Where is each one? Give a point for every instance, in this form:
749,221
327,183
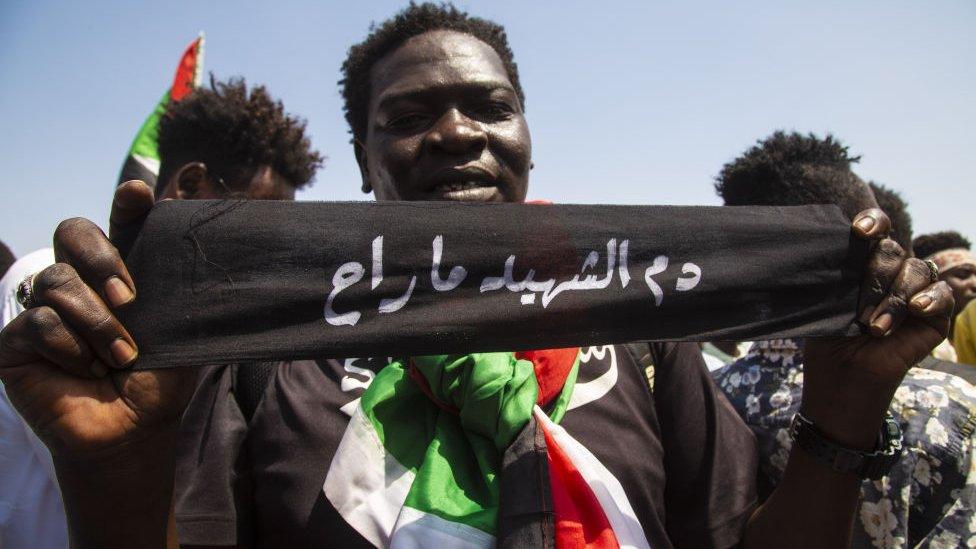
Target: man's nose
455,133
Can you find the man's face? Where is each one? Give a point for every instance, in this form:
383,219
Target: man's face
193,181
962,280
444,123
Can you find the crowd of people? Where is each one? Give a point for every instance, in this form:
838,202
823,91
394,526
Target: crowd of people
862,441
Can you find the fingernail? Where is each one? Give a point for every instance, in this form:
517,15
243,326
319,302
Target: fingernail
922,301
866,315
98,369
118,292
882,324
866,223
122,352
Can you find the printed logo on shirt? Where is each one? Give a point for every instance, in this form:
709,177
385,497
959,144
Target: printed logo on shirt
594,381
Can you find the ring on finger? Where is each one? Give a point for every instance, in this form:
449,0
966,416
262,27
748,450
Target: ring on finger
25,292
933,270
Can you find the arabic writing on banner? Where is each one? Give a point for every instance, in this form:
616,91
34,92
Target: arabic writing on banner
532,291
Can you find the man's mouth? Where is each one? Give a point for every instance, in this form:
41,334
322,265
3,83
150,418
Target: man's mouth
467,191
469,184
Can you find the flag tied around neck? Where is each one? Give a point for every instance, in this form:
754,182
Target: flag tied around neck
465,452
240,281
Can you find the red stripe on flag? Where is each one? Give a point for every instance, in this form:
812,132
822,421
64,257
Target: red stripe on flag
552,366
580,520
185,71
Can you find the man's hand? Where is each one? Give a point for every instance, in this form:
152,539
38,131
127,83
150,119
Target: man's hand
65,362
847,387
849,382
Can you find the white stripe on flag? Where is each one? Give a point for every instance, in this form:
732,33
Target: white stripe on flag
366,484
151,164
418,530
605,486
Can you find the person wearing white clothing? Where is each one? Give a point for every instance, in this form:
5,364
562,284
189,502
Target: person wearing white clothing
31,512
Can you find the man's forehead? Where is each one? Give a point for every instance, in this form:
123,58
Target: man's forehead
437,59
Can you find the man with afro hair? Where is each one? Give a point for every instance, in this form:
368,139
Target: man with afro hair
766,386
891,202
437,113
792,168
218,142
228,140
927,245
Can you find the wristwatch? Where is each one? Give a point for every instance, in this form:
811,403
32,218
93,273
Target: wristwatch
869,465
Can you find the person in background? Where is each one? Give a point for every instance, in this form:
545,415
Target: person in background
6,258
718,354
901,232
927,499
964,335
950,251
229,141
31,515
891,202
218,142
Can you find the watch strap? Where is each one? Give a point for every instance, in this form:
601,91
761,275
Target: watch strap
870,465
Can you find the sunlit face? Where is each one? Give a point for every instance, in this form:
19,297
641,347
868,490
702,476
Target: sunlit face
962,280
445,123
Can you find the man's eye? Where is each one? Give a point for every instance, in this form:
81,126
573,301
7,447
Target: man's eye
493,111
407,121
961,274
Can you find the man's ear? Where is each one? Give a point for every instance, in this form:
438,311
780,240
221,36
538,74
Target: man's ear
360,151
193,181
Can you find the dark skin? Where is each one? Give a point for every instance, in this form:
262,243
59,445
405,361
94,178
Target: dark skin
445,123
68,372
119,430
962,280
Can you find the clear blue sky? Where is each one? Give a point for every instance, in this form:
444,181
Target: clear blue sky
628,102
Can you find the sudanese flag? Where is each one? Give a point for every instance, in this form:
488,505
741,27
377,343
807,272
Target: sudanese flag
465,451
142,161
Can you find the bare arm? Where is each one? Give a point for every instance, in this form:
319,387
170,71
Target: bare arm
66,366
848,386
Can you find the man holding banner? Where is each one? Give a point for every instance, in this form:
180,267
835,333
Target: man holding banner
602,445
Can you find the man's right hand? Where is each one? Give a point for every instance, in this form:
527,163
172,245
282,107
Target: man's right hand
65,363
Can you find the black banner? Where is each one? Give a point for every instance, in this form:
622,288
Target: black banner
240,281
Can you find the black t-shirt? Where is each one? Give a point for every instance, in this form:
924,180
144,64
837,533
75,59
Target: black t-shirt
650,413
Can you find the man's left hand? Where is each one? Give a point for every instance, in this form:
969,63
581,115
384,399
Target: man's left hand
849,382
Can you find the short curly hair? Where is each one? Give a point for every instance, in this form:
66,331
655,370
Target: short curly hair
927,244
891,202
414,20
788,169
233,132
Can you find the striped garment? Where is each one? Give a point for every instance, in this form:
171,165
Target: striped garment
466,451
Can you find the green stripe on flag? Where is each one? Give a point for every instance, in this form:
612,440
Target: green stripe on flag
456,457
145,144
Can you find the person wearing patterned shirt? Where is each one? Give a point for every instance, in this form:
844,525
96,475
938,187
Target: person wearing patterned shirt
928,498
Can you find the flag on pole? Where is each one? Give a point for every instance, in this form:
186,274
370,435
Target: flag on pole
142,161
